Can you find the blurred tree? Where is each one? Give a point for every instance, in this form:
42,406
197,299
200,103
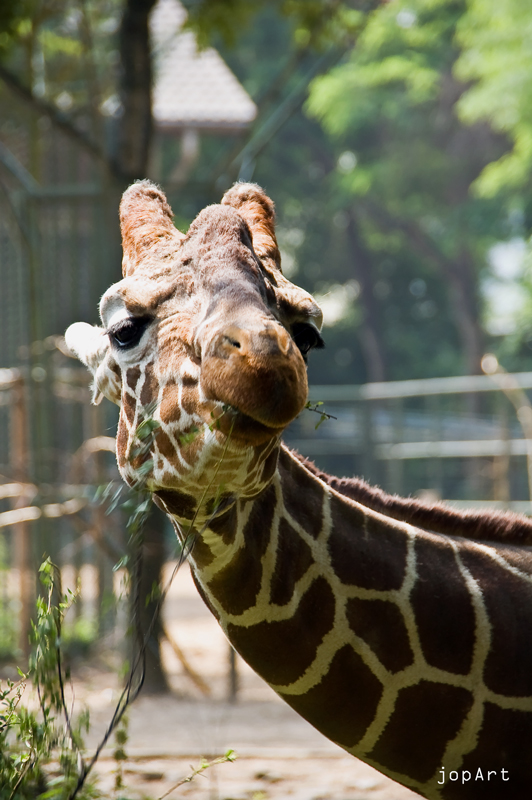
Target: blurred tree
136,124
82,63
497,62
374,203
409,162
397,174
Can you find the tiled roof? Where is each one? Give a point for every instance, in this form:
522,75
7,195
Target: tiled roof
192,89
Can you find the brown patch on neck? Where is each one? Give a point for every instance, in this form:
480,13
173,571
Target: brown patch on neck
425,718
177,503
341,715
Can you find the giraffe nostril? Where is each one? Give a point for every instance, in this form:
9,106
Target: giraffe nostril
232,342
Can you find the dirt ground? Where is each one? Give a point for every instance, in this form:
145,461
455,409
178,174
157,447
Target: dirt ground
280,756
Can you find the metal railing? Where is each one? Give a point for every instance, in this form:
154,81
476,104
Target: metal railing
457,438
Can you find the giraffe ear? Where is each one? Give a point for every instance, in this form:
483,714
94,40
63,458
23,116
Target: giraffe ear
146,225
254,205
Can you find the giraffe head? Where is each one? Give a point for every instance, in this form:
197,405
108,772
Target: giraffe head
206,337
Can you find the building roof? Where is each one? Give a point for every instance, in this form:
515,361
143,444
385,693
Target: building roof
192,89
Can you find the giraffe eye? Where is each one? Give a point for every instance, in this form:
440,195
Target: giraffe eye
306,337
128,332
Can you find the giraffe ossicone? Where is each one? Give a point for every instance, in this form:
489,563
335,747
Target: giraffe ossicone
401,631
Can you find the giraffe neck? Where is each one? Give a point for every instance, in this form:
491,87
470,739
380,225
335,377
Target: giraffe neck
388,639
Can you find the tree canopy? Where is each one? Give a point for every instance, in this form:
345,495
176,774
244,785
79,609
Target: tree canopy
395,137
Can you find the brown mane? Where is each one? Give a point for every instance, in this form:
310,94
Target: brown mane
503,527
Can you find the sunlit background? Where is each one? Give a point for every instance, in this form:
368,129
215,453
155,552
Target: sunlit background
395,138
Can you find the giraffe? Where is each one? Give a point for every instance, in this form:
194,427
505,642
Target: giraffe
401,631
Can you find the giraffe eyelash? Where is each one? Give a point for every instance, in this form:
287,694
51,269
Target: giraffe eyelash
307,338
128,332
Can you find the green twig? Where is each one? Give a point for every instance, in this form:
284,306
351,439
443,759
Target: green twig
316,408
230,756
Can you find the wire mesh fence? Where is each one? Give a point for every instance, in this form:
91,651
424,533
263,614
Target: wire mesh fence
458,439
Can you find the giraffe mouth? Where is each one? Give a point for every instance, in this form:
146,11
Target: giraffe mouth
244,428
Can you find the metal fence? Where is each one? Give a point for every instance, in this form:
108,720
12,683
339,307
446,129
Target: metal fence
455,438
47,503
59,238
59,251
458,439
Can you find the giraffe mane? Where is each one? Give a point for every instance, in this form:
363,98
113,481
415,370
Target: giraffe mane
503,527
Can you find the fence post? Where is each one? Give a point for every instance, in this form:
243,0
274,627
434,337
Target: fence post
19,457
233,682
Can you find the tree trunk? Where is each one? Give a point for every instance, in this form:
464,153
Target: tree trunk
135,125
155,681
463,285
373,350
461,276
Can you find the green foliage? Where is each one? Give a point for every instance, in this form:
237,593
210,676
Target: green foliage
10,13
316,407
119,753
497,59
8,608
63,52
397,175
229,757
314,21
40,751
391,109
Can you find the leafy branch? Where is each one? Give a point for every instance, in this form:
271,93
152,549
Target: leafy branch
29,740
317,410
138,505
230,756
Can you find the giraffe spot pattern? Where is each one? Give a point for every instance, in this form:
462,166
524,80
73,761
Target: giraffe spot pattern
150,386
517,557
302,502
261,514
296,638
443,610
508,599
425,717
225,526
237,585
129,408
189,399
337,712
499,725
121,437
189,381
365,552
165,447
169,408
132,377
381,625
177,503
294,557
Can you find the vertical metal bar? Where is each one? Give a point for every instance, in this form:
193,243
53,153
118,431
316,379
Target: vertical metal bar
368,438
233,677
435,465
396,465
21,532
501,464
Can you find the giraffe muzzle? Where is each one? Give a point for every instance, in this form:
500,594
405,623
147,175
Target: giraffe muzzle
260,374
